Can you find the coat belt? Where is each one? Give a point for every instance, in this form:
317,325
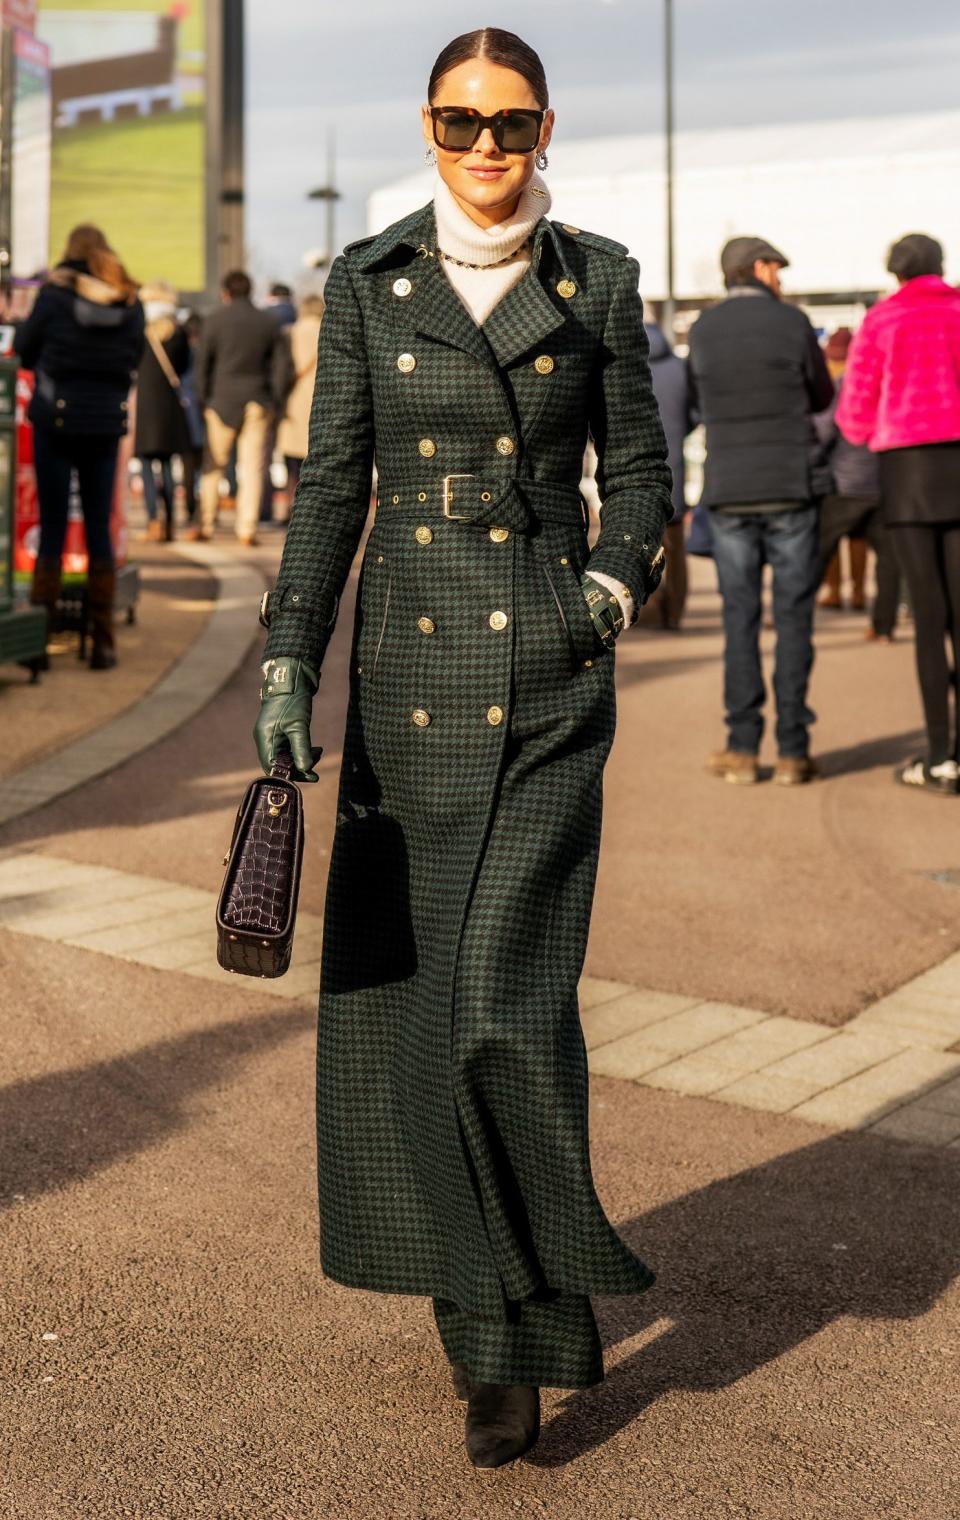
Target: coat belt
518,504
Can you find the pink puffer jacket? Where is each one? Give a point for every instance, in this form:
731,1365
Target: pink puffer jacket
902,382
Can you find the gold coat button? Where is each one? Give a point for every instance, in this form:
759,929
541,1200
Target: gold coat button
574,231
406,364
402,287
424,535
498,620
420,717
427,447
499,535
426,625
505,446
494,716
567,288
543,365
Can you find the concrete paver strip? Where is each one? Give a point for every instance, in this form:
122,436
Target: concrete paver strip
880,1072
200,672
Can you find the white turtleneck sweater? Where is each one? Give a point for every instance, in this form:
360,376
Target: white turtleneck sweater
481,288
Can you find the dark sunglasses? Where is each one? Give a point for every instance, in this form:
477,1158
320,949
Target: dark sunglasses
458,128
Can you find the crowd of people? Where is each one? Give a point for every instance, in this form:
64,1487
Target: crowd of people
806,446
214,397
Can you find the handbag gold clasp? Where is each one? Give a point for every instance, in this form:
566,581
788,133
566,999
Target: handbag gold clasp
277,800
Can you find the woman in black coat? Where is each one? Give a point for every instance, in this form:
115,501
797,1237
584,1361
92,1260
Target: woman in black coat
162,428
83,341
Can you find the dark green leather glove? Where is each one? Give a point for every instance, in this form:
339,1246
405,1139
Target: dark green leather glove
604,608
286,700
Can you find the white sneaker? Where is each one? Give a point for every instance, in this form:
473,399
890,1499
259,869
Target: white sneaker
943,778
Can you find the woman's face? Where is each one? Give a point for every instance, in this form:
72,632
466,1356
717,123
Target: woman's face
484,179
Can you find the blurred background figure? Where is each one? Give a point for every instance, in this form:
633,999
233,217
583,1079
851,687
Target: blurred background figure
901,397
236,382
83,340
757,374
193,457
671,388
162,428
292,436
280,305
851,508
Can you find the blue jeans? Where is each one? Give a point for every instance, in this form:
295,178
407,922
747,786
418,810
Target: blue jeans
788,541
94,458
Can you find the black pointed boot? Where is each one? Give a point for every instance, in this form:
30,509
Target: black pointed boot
503,1421
101,583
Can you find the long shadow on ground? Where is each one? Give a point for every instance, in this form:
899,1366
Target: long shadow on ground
62,1128
753,1265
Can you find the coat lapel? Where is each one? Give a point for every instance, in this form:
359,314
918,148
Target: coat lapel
438,312
522,320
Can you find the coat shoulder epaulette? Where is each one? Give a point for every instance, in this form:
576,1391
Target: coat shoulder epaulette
359,243
591,239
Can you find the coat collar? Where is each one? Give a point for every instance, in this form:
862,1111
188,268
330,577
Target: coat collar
521,321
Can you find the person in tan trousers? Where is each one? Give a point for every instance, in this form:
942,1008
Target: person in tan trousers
240,360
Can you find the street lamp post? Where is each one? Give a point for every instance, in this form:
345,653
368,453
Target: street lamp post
331,195
670,303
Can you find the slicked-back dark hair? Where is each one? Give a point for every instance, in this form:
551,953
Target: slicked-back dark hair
504,48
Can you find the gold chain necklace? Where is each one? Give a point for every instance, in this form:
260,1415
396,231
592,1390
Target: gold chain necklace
438,253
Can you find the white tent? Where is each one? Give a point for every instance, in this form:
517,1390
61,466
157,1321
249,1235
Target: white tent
832,195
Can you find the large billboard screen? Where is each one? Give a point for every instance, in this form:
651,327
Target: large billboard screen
128,83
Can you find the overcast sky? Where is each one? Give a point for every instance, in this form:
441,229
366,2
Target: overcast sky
360,67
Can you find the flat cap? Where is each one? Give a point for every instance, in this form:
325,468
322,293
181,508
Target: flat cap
741,253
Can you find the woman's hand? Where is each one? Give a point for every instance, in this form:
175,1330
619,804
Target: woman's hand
286,701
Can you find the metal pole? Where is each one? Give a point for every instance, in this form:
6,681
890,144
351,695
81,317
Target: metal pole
332,201
670,303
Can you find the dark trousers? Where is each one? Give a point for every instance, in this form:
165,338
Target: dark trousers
787,541
94,458
860,517
150,495
929,556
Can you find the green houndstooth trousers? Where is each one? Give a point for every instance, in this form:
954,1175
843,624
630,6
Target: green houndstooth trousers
451,1072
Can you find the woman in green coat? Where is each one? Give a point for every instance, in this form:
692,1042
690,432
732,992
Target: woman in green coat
469,350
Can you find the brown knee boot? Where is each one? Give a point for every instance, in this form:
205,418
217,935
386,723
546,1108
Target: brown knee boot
44,592
101,582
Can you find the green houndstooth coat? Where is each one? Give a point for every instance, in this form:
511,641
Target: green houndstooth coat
452,1083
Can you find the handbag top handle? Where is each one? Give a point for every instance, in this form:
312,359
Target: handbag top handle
282,765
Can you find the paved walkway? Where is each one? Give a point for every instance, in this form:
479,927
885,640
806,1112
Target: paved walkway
171,1348
185,690
887,1070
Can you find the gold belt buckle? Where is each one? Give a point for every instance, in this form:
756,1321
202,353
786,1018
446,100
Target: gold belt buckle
448,498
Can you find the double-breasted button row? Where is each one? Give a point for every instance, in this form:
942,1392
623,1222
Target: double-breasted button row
420,718
427,448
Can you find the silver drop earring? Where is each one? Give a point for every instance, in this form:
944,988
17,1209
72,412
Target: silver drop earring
430,156
541,160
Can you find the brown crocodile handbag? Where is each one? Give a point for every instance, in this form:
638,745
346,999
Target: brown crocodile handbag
257,906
